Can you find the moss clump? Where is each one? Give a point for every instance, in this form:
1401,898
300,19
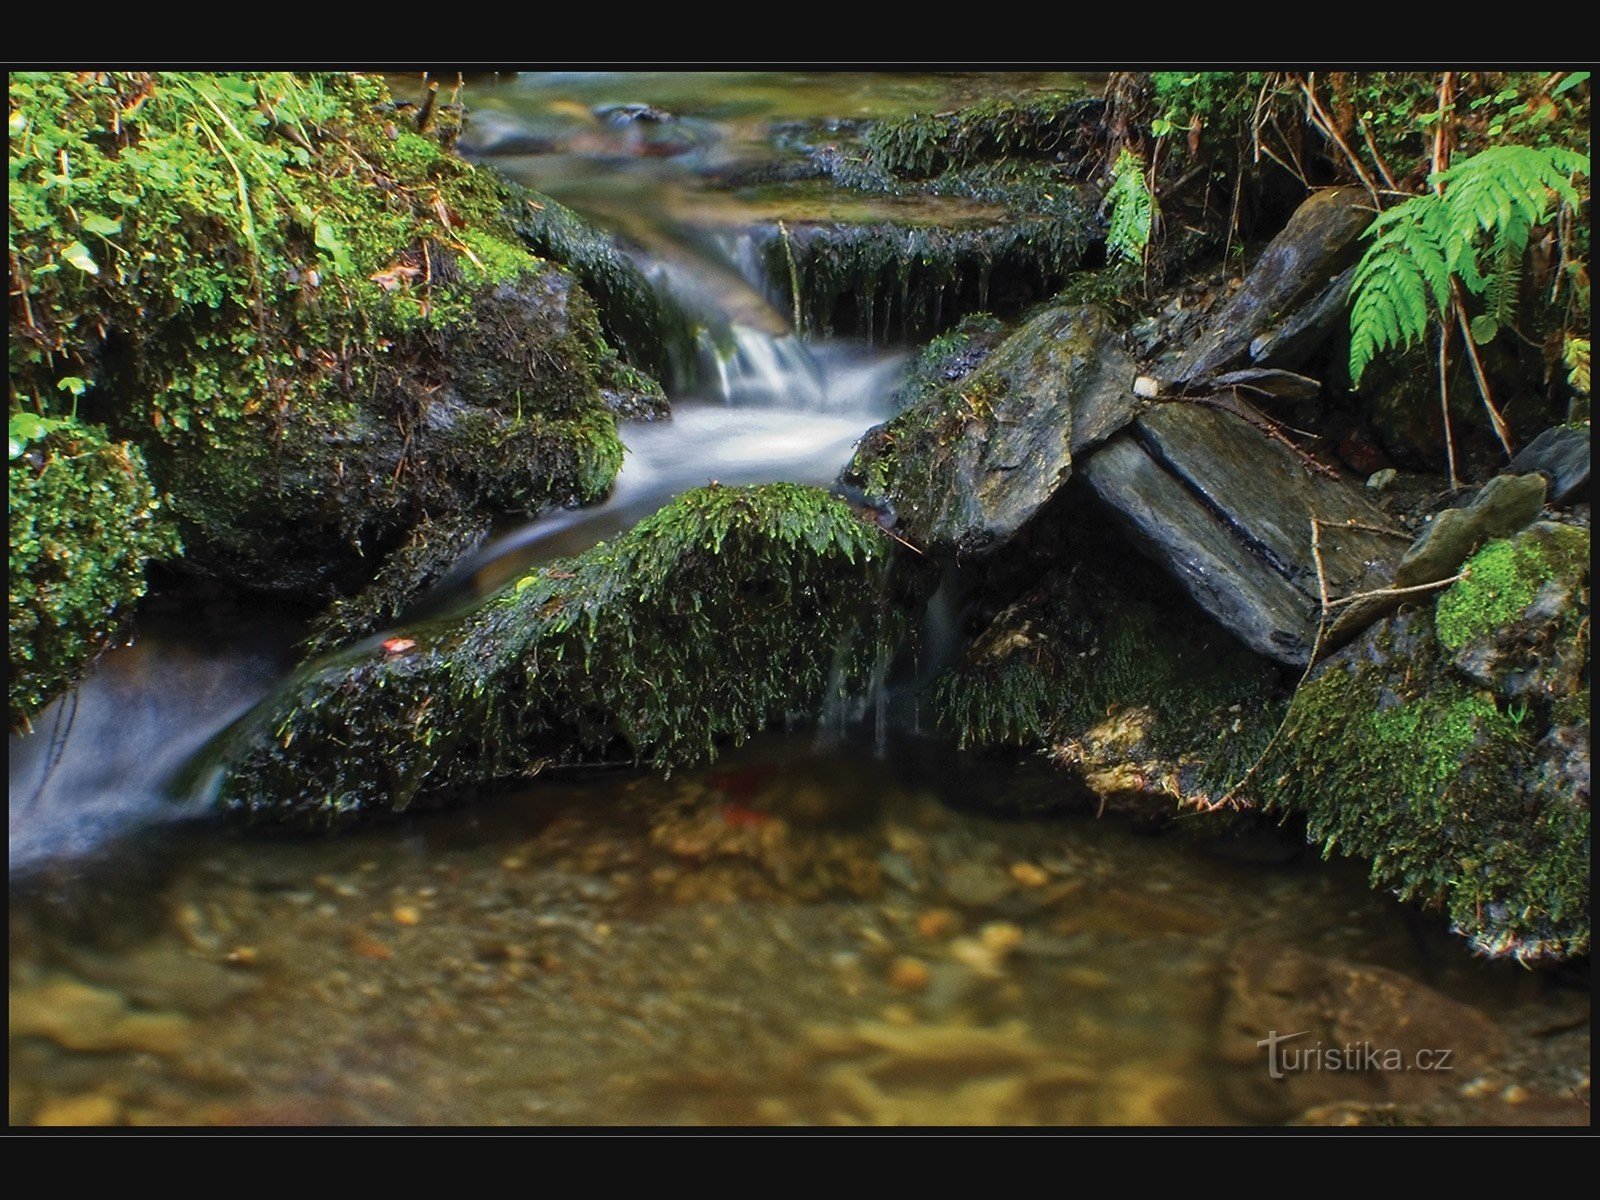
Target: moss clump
726,609
1391,756
84,520
1087,646
1048,124
647,329
1503,578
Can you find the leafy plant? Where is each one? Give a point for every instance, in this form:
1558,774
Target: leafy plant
1468,235
1132,208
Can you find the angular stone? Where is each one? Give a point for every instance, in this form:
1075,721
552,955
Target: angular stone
1228,511
1322,239
1296,339
1561,454
966,467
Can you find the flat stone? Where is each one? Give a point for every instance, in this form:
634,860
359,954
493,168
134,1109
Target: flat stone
1227,511
971,463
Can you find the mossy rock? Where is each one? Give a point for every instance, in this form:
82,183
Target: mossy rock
892,280
322,328
725,610
1394,756
84,520
975,457
1045,125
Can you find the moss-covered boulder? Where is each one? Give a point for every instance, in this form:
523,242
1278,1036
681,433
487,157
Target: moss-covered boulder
971,461
84,519
725,610
323,330
1471,798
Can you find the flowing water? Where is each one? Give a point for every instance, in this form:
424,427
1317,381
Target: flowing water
812,930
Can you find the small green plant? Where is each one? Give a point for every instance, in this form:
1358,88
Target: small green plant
1466,237
1132,209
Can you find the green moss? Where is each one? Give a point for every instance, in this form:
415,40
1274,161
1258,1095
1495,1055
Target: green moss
301,309
1037,126
1090,646
726,609
1392,757
647,328
84,520
1503,578
900,280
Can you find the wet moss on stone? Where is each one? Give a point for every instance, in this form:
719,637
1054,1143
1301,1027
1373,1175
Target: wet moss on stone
84,519
647,329
1047,124
1504,578
723,611
893,281
1393,757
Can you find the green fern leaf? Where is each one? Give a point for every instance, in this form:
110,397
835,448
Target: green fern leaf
1132,209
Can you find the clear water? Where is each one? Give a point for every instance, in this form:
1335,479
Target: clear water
812,930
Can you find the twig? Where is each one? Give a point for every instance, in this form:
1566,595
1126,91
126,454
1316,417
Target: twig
1382,593
1441,148
1444,405
1372,146
1500,428
1324,122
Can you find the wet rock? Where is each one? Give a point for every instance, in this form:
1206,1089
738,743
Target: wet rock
1295,340
1502,506
1321,240
78,1016
1560,454
964,469
1326,1007
1227,511
1514,624
702,622
1379,480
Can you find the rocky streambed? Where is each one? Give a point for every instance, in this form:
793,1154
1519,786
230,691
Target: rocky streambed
1126,610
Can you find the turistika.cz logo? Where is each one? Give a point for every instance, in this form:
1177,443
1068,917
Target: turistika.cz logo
1284,1059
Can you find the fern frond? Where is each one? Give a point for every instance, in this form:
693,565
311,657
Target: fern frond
1131,208
1476,231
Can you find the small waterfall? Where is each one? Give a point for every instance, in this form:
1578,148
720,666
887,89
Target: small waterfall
766,370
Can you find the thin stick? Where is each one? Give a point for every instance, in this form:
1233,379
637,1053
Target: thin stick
1441,150
1230,798
1403,591
1372,146
1501,430
1444,405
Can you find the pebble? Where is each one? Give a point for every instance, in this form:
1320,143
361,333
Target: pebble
936,923
910,974
1029,875
407,915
